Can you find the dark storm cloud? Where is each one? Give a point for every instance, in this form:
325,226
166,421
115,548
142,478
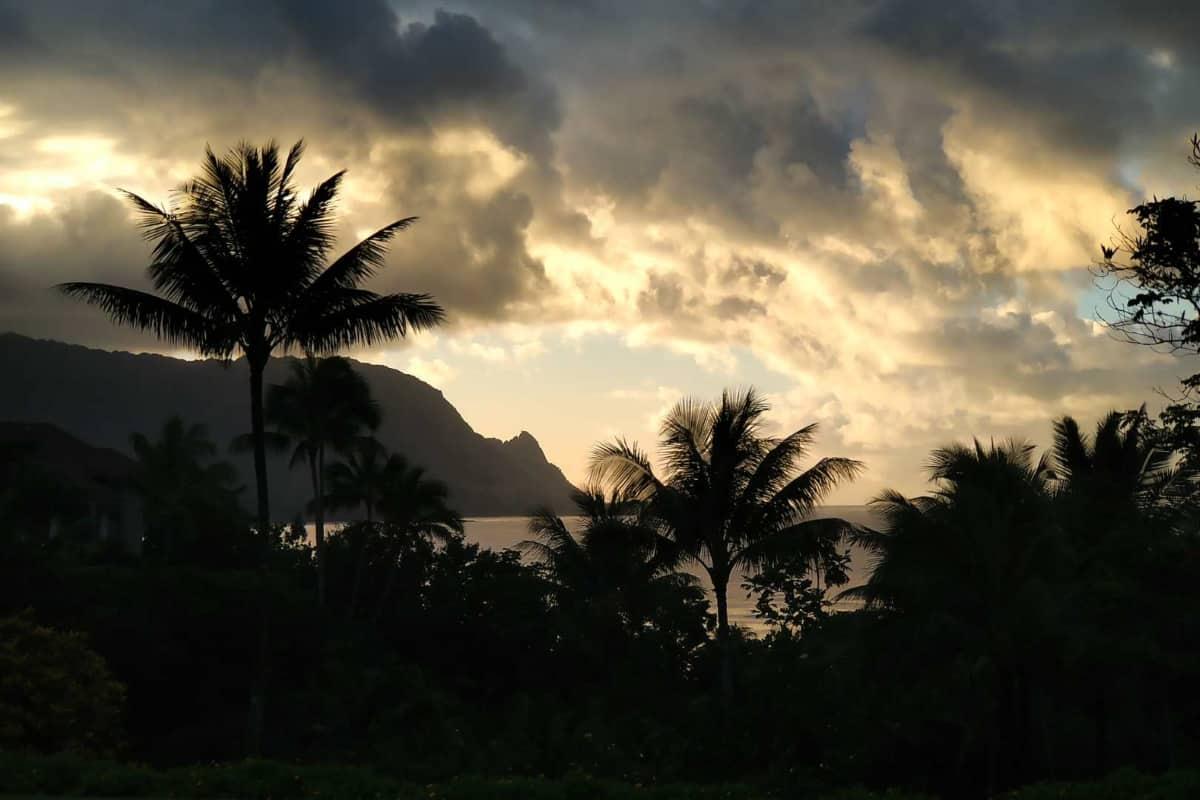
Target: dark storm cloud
735,307
752,273
15,40
452,66
473,258
409,72
663,295
89,239
839,132
162,79
1042,59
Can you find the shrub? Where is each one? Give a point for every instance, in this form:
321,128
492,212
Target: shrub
1122,785
56,694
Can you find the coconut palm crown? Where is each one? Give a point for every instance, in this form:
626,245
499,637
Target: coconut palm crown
731,497
241,266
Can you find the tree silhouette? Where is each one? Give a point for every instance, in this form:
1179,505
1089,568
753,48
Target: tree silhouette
732,498
973,570
1160,263
240,266
184,489
414,509
359,481
1124,465
613,575
323,405
1116,493
36,504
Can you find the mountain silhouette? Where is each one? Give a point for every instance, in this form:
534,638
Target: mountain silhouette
102,397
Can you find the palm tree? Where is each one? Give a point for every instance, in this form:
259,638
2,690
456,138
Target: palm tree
989,511
324,405
732,497
414,508
182,487
240,266
972,568
359,481
1122,466
1115,490
617,570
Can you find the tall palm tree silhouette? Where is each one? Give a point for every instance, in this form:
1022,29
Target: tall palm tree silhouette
240,265
732,498
182,484
323,405
415,510
1121,464
616,571
359,481
971,569
1110,487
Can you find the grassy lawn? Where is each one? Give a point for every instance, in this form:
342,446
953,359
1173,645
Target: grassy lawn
25,777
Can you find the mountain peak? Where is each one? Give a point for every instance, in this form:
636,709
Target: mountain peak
524,440
102,397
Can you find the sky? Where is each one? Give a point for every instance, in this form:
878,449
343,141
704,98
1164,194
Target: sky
881,214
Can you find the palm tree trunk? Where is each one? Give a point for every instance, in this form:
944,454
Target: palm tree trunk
258,432
1168,730
389,584
720,581
1100,735
315,461
256,723
256,716
360,562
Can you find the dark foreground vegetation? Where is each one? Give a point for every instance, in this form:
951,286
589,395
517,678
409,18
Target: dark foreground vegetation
1033,618
70,776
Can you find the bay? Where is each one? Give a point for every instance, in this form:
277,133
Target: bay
504,533
500,533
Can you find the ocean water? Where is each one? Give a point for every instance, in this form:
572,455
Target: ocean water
500,533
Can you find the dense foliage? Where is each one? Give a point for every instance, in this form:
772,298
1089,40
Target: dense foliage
1030,620
266,780
55,692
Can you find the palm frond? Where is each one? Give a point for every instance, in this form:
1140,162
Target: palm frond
1071,449
375,319
180,268
360,262
625,467
312,231
806,491
802,540
775,469
167,320
552,540
684,436
275,442
285,194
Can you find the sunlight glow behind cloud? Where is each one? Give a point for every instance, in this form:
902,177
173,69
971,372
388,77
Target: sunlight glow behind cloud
890,238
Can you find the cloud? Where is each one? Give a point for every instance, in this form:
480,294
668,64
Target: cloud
433,371
890,205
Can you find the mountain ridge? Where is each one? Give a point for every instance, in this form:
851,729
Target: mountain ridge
103,396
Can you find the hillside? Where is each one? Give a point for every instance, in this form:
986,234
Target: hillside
102,397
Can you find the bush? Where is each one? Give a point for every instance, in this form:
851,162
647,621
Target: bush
55,693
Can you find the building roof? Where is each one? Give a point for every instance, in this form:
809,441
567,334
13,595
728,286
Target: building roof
65,456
